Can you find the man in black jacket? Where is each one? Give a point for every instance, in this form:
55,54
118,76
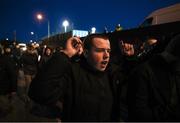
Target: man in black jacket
154,87
85,90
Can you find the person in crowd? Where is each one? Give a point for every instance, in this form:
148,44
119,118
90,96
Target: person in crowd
8,84
132,55
118,28
139,54
46,56
84,90
29,65
147,49
153,87
129,59
8,51
17,55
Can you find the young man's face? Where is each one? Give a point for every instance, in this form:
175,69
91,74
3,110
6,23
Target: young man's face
48,52
99,54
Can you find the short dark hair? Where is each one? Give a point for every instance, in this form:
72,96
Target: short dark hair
87,43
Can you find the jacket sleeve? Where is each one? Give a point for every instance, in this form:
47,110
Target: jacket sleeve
50,82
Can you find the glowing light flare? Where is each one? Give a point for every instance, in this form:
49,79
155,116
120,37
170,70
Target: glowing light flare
39,16
65,24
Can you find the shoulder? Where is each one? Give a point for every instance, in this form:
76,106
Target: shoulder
146,70
59,57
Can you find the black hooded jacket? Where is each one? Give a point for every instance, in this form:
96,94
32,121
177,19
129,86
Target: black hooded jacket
87,95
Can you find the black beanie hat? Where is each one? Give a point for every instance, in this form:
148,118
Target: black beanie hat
173,46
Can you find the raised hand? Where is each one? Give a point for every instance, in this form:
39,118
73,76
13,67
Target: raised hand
127,49
73,47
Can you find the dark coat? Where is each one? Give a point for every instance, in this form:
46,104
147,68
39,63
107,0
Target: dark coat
30,63
8,75
149,92
87,95
43,61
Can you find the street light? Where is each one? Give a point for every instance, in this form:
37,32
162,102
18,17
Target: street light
65,24
93,30
34,36
32,33
40,17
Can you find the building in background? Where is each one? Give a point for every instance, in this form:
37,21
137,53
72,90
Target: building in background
163,15
58,40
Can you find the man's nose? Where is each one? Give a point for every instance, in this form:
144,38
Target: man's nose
106,54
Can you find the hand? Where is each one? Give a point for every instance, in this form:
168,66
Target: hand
73,47
127,49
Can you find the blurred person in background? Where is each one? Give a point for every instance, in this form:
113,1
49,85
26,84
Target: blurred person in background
29,62
45,57
154,87
8,84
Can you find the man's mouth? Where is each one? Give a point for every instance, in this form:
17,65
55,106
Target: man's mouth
104,62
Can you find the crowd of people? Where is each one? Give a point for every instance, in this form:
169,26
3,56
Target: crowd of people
83,82
17,69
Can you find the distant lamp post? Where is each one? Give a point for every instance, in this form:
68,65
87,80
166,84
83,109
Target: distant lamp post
40,17
65,24
34,36
32,33
93,30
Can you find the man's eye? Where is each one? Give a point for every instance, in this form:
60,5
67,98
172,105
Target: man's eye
99,50
109,51
102,50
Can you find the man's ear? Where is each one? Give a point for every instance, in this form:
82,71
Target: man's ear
85,53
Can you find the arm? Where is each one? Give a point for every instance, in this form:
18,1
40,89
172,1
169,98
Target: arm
127,49
73,47
47,86
51,82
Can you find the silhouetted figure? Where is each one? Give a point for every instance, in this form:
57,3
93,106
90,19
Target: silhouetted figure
8,84
153,92
45,57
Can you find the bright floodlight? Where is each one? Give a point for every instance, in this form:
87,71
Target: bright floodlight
39,16
32,33
93,30
65,24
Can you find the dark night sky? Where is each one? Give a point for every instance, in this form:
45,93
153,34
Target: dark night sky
19,15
